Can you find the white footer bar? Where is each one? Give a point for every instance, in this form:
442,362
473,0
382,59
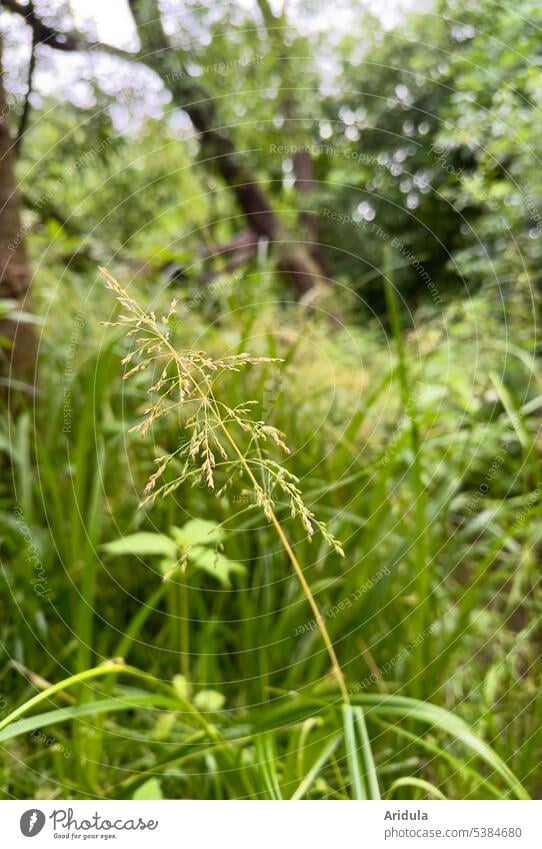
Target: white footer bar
272,825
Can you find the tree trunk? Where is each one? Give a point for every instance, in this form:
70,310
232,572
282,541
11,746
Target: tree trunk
17,341
303,167
296,264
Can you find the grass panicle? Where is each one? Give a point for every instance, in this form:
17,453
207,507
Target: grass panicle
211,431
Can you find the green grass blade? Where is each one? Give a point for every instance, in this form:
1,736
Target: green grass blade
307,781
419,783
355,766
267,763
100,706
73,681
367,755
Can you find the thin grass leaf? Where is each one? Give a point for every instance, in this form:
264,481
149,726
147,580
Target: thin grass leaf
355,763
321,760
419,783
367,755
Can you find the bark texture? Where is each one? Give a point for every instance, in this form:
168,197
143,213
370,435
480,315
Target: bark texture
18,347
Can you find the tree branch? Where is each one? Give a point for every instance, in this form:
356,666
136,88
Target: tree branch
216,145
43,33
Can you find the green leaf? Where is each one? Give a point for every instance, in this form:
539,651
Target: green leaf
197,532
150,790
215,564
181,687
142,544
209,700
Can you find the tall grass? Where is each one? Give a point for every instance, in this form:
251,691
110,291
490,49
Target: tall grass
254,713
